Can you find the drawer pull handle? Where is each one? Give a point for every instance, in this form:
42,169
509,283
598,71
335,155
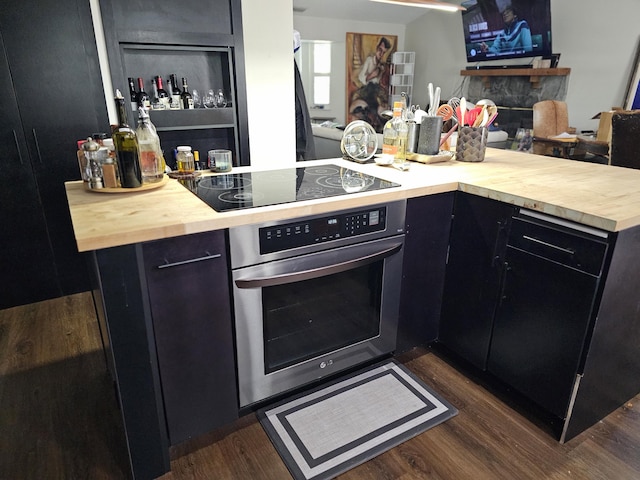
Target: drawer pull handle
551,245
191,260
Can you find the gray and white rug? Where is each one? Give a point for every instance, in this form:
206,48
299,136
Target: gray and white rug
337,427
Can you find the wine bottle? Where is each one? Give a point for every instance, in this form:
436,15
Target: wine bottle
163,96
142,99
133,94
126,145
394,138
151,159
175,101
185,96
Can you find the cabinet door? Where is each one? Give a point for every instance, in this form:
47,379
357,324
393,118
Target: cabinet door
26,272
188,287
478,239
53,58
540,328
428,223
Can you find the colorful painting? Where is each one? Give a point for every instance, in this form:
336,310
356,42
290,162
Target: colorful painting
368,71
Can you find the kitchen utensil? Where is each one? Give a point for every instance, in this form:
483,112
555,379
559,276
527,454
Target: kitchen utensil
419,115
431,93
463,111
445,111
448,134
435,102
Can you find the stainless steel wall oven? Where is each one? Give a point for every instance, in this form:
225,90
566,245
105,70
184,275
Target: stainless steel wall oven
315,295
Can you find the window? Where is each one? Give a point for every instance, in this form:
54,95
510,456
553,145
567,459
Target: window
314,60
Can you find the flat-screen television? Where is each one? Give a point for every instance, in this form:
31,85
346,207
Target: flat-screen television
500,29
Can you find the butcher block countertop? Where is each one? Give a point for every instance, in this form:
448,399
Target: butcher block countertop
600,196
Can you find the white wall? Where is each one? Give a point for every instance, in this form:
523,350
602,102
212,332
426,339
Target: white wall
268,50
335,31
596,39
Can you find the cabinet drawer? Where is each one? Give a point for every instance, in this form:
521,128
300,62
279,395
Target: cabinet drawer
559,243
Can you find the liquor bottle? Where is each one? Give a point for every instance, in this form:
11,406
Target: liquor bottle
126,145
155,100
163,96
185,96
133,94
175,101
151,158
142,99
394,138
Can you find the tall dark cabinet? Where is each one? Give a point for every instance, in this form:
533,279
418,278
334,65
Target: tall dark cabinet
200,41
52,96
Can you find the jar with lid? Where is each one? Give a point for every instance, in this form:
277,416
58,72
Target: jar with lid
184,160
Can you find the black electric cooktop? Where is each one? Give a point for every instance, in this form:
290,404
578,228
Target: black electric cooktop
271,187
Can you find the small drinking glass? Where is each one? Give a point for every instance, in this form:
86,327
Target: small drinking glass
209,100
197,102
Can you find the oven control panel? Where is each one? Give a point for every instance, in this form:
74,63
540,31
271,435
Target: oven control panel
322,229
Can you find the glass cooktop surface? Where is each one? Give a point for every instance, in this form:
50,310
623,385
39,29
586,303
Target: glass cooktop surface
235,191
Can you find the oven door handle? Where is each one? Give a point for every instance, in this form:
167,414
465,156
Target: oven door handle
292,277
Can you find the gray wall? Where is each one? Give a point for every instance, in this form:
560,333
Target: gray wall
596,39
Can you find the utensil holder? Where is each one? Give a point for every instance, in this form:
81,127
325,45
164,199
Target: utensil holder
472,144
429,139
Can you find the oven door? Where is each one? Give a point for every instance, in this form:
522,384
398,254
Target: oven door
300,319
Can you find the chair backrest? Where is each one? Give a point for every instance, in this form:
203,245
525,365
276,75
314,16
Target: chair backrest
550,118
625,131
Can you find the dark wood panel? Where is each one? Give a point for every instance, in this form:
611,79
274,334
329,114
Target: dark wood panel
428,223
478,236
56,110
191,309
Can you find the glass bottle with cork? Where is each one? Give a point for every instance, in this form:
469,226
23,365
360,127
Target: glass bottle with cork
394,137
126,146
151,159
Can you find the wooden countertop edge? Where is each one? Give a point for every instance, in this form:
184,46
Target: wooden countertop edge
188,214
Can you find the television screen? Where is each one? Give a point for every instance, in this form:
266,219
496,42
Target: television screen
499,29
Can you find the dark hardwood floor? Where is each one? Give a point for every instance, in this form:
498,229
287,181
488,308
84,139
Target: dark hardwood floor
59,420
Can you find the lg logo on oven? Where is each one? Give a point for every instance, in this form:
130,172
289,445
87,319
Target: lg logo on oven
326,364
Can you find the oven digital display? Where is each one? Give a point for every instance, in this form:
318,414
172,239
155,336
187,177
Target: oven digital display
298,234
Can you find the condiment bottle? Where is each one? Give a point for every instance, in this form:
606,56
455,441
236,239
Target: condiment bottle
394,138
109,166
151,158
126,143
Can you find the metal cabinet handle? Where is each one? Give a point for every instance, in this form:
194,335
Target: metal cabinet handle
208,256
496,257
15,139
317,272
35,139
550,245
506,268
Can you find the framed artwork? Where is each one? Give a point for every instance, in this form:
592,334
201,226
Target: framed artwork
632,97
523,141
368,70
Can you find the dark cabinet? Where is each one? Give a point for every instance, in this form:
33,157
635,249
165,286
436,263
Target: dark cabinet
200,41
474,269
545,310
428,222
188,284
43,114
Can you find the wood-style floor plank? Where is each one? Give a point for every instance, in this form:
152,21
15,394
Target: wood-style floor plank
59,420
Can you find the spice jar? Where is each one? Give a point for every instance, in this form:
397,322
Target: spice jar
184,160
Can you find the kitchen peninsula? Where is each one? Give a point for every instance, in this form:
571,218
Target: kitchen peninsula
119,232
